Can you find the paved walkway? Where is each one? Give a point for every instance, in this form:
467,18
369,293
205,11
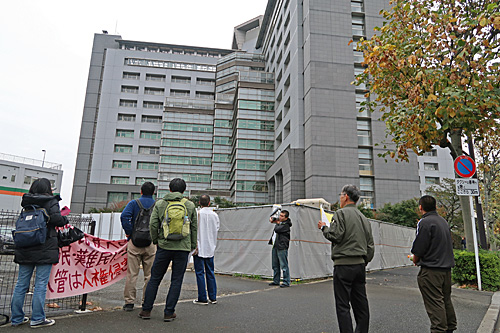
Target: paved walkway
247,305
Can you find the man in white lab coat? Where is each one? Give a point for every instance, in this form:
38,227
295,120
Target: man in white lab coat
208,226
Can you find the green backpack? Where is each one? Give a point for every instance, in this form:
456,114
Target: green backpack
176,224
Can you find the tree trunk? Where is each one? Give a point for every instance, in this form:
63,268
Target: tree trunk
455,151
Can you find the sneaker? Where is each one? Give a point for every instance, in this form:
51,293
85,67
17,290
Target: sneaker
284,286
168,318
45,323
200,302
25,320
212,301
274,284
145,314
128,307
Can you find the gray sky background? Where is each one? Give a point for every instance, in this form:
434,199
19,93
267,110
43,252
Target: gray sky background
45,51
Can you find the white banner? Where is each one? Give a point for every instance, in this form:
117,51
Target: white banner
89,264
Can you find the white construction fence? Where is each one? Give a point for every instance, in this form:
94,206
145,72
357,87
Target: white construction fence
242,245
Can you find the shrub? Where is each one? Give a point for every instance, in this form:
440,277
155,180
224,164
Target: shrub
464,272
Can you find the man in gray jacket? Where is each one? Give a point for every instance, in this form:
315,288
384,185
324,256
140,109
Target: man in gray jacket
352,249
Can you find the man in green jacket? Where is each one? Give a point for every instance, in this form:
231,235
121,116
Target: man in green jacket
352,249
170,249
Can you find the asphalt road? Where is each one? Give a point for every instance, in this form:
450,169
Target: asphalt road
247,305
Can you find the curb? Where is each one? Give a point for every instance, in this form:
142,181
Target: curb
490,318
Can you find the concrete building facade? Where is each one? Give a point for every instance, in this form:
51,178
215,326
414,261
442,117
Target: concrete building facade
273,119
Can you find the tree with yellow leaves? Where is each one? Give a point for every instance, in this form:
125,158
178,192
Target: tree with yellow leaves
433,72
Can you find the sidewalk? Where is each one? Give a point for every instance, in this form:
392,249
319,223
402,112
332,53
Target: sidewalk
247,305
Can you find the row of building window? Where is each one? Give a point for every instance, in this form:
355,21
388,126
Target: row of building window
183,143
145,150
169,64
186,160
122,133
140,165
162,78
186,127
144,119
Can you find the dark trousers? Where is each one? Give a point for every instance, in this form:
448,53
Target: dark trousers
349,287
435,287
279,262
204,268
163,258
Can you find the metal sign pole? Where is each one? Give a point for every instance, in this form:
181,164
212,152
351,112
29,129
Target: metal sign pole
476,250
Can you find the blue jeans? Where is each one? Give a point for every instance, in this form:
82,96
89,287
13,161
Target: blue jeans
205,267
38,300
280,262
163,258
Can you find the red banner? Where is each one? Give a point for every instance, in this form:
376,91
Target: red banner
89,264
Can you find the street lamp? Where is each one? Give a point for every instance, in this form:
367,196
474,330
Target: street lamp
44,152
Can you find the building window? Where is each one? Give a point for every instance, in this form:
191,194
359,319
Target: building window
433,152
28,180
179,93
151,119
222,140
155,77
357,6
154,91
180,143
142,180
147,166
149,150
181,79
131,76
188,160
205,82
114,197
221,158
431,180
365,159
152,105
431,166
185,127
196,178
360,99
220,175
130,89
367,191
256,105
126,117
243,185
364,133
128,103
121,164
119,180
222,123
253,165
256,124
255,144
150,135
358,26
123,149
204,95
124,133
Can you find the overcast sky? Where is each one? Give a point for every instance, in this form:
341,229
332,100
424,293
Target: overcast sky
45,51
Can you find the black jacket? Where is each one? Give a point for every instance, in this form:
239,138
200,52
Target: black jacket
282,231
433,242
47,253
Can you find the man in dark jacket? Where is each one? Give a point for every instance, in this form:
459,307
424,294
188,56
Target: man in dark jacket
280,241
433,252
352,249
137,256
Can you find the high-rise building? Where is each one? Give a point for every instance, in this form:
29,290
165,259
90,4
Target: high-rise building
273,119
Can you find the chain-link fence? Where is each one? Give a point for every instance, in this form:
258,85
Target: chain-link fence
9,269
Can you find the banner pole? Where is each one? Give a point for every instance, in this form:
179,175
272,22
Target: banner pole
476,250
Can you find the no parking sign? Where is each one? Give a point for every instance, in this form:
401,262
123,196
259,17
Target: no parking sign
465,166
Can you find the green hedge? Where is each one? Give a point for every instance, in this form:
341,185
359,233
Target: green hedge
464,272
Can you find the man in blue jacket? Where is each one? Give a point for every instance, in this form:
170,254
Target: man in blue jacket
137,255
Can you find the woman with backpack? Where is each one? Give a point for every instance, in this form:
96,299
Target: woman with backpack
39,257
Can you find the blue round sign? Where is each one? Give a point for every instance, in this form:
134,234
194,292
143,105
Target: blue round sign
465,166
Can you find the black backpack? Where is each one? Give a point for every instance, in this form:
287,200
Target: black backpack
140,233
